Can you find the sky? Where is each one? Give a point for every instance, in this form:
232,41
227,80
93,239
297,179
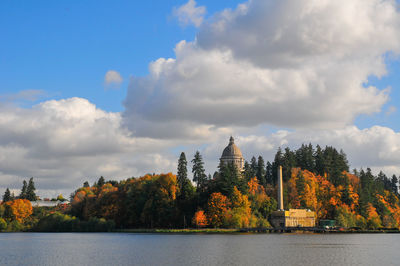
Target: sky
120,88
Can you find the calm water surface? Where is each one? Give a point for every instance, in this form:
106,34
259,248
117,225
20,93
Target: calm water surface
159,249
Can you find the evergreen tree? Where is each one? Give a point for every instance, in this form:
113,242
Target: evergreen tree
253,167
268,174
101,181
394,186
247,172
229,178
23,194
7,195
198,171
261,171
319,161
182,170
30,191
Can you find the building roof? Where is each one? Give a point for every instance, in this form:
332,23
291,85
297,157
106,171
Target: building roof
231,150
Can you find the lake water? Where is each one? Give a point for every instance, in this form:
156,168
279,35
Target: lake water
167,249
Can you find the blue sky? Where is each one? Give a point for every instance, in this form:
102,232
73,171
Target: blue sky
271,73
65,47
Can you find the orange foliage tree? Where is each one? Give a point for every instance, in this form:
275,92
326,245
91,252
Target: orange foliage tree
200,219
218,206
18,209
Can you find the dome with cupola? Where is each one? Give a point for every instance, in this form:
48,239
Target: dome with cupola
232,154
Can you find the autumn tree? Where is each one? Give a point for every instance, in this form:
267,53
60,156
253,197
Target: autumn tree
200,219
217,211
18,209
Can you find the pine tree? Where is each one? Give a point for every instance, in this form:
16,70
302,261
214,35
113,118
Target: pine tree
182,170
268,174
229,178
30,191
198,171
23,193
7,195
261,171
101,181
394,182
253,167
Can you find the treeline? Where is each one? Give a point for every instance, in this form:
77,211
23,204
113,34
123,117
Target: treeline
27,192
315,178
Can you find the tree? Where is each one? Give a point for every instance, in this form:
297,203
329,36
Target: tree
86,184
7,195
229,178
200,219
61,198
218,206
18,209
23,193
198,171
101,181
30,191
182,170
253,167
261,171
393,183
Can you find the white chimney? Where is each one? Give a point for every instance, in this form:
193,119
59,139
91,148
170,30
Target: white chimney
280,189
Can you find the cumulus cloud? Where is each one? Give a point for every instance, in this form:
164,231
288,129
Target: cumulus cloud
297,64
63,143
189,13
376,147
112,79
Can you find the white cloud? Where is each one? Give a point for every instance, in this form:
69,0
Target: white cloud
189,13
376,147
66,142
63,143
291,63
113,79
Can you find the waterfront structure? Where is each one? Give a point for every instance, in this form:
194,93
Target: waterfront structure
292,217
232,154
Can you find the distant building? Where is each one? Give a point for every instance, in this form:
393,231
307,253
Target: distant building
292,217
47,203
232,154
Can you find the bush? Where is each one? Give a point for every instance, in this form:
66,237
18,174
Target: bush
58,222
15,226
3,224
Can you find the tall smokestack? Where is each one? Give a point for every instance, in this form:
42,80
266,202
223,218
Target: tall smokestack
280,189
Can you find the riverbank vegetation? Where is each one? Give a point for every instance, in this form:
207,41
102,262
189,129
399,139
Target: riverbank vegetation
315,178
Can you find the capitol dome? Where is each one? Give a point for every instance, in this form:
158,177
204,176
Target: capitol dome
232,154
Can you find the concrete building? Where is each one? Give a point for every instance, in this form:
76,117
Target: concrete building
292,217
232,154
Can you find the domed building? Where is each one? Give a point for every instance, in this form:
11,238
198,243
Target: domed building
232,154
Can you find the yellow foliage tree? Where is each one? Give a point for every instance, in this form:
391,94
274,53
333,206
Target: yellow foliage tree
19,209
